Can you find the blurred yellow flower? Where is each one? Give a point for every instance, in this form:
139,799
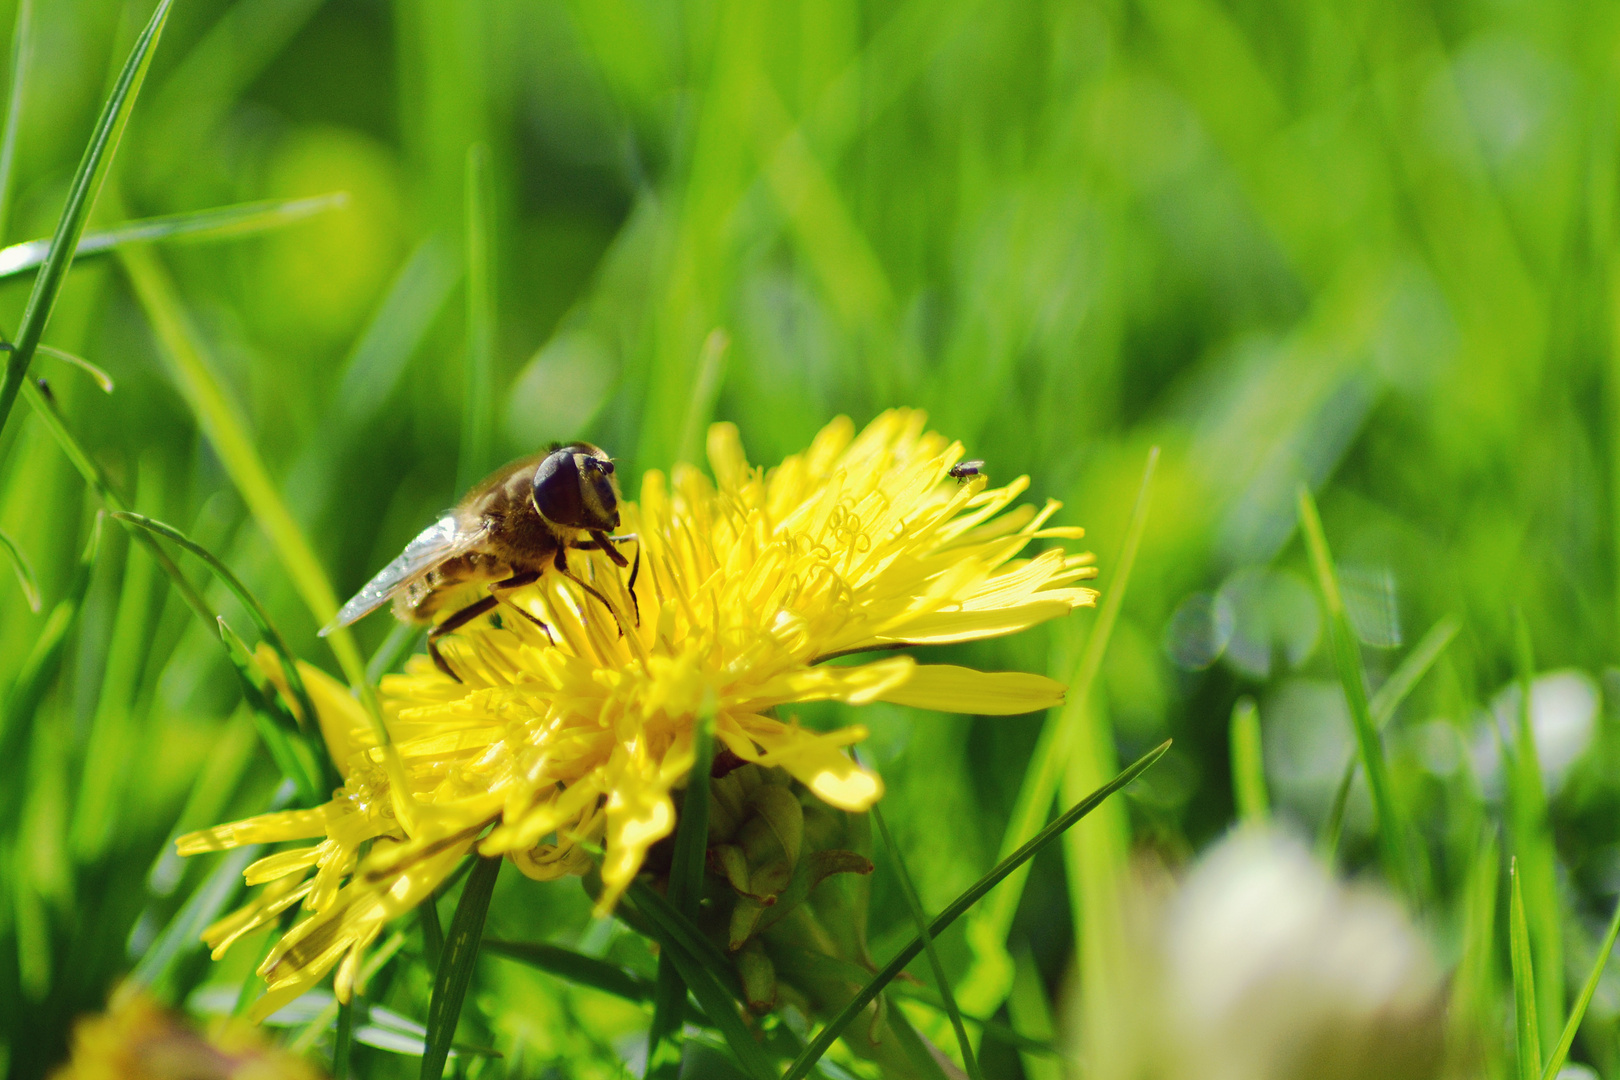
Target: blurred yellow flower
136,1040
570,740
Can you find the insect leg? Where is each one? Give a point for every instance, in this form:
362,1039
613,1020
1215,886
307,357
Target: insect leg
456,622
561,563
605,542
517,581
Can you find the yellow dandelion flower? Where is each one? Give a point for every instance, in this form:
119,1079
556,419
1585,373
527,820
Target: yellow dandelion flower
569,736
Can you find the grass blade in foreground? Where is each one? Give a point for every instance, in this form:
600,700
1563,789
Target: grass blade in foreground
961,904
216,224
261,618
685,885
698,961
914,902
575,967
22,52
1567,1039
1392,841
1533,843
1400,683
1524,985
989,980
81,198
478,376
1248,764
455,971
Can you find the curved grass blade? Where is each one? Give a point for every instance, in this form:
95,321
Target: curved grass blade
914,902
835,1027
989,980
1398,857
455,969
81,198
219,223
685,886
1526,1028
103,379
1248,764
697,960
576,967
1400,683
22,53
1578,1013
288,748
261,618
25,572
109,495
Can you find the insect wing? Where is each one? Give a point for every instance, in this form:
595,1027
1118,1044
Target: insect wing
440,541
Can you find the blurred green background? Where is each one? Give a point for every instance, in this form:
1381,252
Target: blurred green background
1369,247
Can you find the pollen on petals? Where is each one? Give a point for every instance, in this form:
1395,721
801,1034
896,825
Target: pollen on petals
561,745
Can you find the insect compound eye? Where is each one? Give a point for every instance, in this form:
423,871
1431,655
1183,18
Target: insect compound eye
557,493
606,465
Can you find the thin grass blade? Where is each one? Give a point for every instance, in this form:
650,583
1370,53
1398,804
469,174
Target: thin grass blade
1399,860
1248,764
987,982
1533,841
261,618
835,1027
219,223
102,379
914,902
22,52
81,198
1400,683
697,962
685,886
455,969
24,571
1527,1029
575,967
343,1042
1578,1013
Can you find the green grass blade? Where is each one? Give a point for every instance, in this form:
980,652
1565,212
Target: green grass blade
24,571
427,916
109,495
1533,841
685,887
1524,984
1416,664
576,967
914,903
261,619
220,223
401,639
343,1042
1248,764
1474,995
707,974
1578,1013
835,1026
478,390
22,52
455,968
988,981
1399,860
81,198
102,379
291,752
1400,683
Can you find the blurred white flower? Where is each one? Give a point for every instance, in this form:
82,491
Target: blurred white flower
1563,717
1261,966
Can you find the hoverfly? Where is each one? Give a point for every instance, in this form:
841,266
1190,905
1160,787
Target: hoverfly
502,533
966,470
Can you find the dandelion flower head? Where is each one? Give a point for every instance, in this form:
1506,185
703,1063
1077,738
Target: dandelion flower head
570,729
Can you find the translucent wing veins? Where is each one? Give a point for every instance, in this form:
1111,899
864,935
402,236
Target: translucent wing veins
433,545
